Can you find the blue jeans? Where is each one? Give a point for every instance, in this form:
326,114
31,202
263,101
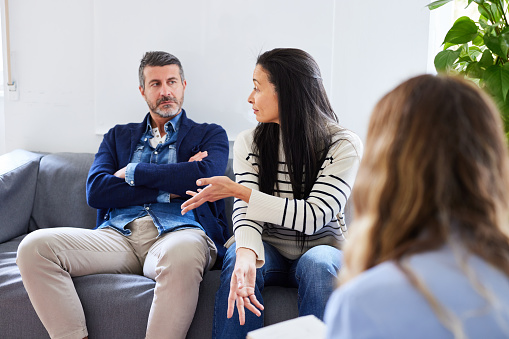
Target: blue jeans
313,274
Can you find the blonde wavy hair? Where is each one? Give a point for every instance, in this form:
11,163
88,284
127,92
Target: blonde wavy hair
435,165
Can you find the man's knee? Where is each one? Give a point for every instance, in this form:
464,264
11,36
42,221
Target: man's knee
191,251
37,244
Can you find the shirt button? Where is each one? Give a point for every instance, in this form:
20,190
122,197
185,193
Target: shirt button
146,139
132,182
147,208
155,152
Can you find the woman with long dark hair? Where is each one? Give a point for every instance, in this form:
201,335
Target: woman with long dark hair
429,250
294,174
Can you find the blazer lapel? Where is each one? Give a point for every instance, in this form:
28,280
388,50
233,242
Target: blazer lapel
185,126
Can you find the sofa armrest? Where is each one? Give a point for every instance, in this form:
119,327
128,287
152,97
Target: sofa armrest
18,178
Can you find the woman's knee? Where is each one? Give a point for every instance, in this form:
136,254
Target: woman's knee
228,265
319,261
230,257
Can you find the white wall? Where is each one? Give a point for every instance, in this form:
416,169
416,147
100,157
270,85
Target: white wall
75,62
52,64
378,44
217,42
2,108
2,128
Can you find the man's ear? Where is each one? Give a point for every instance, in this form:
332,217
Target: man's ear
184,84
142,91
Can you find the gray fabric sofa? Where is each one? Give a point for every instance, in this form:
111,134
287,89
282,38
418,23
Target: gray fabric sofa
48,190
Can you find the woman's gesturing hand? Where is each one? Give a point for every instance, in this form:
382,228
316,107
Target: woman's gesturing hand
216,188
242,286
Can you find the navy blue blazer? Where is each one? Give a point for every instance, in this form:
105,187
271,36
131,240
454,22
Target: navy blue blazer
105,191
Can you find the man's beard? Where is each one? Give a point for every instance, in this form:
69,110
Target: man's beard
166,112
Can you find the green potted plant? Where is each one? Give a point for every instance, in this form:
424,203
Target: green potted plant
479,50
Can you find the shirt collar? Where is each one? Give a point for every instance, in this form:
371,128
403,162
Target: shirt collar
175,123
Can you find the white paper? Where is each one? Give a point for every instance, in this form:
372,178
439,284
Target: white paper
299,328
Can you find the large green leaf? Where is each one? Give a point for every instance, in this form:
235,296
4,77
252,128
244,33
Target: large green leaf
483,21
474,51
474,70
436,4
484,13
469,54
464,50
498,44
490,11
497,80
445,59
478,41
504,109
448,45
504,44
465,58
474,55
464,30
497,16
486,59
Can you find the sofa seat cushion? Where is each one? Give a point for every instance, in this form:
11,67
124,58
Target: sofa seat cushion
18,319
115,305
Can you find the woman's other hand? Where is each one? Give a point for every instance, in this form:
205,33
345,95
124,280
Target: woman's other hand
242,286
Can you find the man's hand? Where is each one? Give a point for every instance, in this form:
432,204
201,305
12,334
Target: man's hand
199,156
242,286
120,173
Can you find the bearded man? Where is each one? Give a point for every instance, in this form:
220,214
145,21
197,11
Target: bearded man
138,182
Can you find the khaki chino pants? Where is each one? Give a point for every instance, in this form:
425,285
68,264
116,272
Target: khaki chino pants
49,258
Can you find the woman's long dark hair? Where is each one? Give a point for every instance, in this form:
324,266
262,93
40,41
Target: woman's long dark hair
305,114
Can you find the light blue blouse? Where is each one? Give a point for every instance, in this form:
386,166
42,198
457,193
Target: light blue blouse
381,302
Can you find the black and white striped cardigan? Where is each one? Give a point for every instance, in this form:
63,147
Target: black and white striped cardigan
277,219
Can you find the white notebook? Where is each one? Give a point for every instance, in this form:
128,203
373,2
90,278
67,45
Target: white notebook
299,328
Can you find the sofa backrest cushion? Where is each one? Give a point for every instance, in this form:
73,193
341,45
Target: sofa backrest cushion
18,177
60,196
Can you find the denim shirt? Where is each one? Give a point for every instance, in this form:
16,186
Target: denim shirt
165,213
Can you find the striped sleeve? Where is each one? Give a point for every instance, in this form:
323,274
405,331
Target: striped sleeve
326,199
248,231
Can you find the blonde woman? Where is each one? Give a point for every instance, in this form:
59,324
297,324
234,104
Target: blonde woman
429,253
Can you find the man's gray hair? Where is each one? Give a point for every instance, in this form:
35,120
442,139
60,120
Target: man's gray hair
158,58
